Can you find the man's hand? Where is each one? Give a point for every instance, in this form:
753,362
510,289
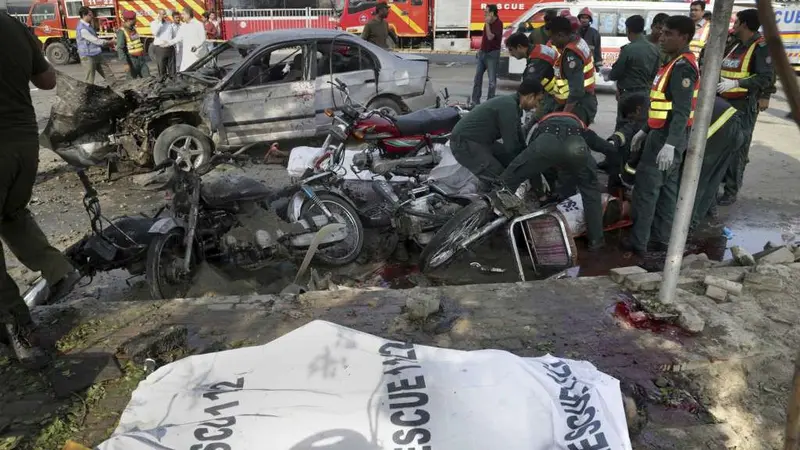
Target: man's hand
637,141
726,85
665,157
763,104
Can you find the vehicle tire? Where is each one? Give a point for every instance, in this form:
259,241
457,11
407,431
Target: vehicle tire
184,144
163,268
57,53
387,105
348,250
446,243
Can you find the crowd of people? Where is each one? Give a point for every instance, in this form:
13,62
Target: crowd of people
657,81
179,40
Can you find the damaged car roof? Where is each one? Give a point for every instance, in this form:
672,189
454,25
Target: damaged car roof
272,37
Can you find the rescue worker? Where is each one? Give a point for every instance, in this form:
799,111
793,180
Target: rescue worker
558,143
90,48
636,65
377,30
540,36
616,147
655,35
663,140
701,27
540,61
574,72
591,36
474,138
22,63
745,77
130,48
725,138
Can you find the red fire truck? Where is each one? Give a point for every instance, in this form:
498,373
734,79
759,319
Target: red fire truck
453,23
54,21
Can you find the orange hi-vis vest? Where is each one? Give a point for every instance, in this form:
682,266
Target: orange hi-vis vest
660,105
133,43
581,48
548,55
699,40
563,114
737,66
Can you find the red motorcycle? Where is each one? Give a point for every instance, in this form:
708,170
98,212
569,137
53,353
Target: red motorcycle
396,145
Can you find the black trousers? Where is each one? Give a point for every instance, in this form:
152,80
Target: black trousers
165,60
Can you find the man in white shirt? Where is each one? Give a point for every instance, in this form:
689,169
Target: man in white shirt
192,39
163,32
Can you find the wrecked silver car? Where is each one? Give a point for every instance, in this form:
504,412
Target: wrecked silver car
260,87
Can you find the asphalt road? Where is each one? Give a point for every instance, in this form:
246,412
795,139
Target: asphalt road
768,203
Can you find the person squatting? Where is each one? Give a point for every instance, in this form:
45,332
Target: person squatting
657,81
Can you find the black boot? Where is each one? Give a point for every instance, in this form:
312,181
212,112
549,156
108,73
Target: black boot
21,341
726,199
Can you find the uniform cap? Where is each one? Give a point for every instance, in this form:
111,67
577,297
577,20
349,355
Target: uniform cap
585,12
128,15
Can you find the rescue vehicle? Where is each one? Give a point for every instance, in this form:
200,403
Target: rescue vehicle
609,19
449,25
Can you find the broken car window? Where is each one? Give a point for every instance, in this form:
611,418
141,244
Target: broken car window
281,65
333,58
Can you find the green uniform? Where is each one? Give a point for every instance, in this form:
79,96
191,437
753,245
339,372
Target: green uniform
137,65
617,149
634,71
559,143
19,158
538,36
759,82
474,138
537,68
655,192
725,140
585,102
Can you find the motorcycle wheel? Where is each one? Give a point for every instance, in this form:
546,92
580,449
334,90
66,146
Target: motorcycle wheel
348,250
446,244
164,266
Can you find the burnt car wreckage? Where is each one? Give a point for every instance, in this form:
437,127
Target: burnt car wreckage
256,88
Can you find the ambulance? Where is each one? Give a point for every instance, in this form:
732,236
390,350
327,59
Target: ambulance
609,19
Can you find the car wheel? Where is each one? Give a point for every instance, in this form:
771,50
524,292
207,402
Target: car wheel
386,105
183,144
57,53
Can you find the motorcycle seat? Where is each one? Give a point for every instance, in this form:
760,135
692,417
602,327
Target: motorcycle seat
428,121
226,188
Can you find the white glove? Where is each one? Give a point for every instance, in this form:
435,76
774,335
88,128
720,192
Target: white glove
637,141
726,85
665,157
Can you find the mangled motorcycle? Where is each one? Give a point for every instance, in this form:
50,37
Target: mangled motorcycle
226,218
120,243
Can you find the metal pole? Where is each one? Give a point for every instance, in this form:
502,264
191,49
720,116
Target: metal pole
715,46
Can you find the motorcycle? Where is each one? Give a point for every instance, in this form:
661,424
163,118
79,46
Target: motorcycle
112,244
229,219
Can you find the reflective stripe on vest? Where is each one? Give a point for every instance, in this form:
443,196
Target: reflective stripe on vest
721,120
660,105
562,114
581,48
548,55
737,68
699,39
133,43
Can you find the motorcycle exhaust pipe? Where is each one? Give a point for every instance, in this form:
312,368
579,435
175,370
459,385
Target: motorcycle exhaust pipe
385,166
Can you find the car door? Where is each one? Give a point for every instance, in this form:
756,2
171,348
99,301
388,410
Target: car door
270,97
349,62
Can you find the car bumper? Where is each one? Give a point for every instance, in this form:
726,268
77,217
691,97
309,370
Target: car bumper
425,100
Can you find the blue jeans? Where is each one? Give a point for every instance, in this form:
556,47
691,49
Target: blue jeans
487,62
